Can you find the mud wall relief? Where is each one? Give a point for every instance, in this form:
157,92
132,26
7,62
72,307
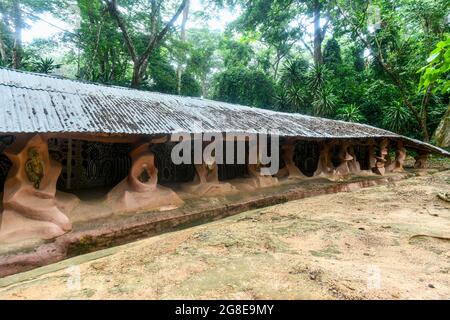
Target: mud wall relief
140,189
256,179
288,154
346,161
381,157
206,181
325,167
354,165
400,155
340,158
29,201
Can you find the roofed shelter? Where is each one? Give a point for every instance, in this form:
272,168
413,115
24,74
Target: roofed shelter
61,139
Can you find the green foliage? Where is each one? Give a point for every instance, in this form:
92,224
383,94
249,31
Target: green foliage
236,53
45,65
332,54
351,113
104,54
190,86
162,75
396,117
292,94
318,78
436,72
324,101
202,56
305,88
295,72
245,86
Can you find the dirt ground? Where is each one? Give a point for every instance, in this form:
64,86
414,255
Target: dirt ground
384,242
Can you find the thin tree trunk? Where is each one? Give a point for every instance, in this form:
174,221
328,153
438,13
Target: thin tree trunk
3,54
97,43
183,39
137,77
425,102
204,88
277,65
17,48
317,34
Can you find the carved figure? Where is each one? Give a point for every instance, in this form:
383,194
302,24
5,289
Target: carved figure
34,168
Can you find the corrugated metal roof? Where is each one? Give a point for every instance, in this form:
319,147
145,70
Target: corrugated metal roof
35,103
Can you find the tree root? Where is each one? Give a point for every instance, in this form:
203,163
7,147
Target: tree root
428,236
444,196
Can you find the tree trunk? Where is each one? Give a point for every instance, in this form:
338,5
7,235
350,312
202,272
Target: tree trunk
18,24
183,39
442,134
277,65
3,55
140,62
318,38
423,126
136,79
204,88
425,102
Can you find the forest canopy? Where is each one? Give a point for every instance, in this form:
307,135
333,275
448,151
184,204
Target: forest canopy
381,62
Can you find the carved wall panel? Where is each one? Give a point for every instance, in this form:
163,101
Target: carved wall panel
169,172
88,164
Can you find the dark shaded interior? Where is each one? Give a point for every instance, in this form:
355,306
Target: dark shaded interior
88,164
306,156
233,171
362,156
168,172
5,165
336,151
